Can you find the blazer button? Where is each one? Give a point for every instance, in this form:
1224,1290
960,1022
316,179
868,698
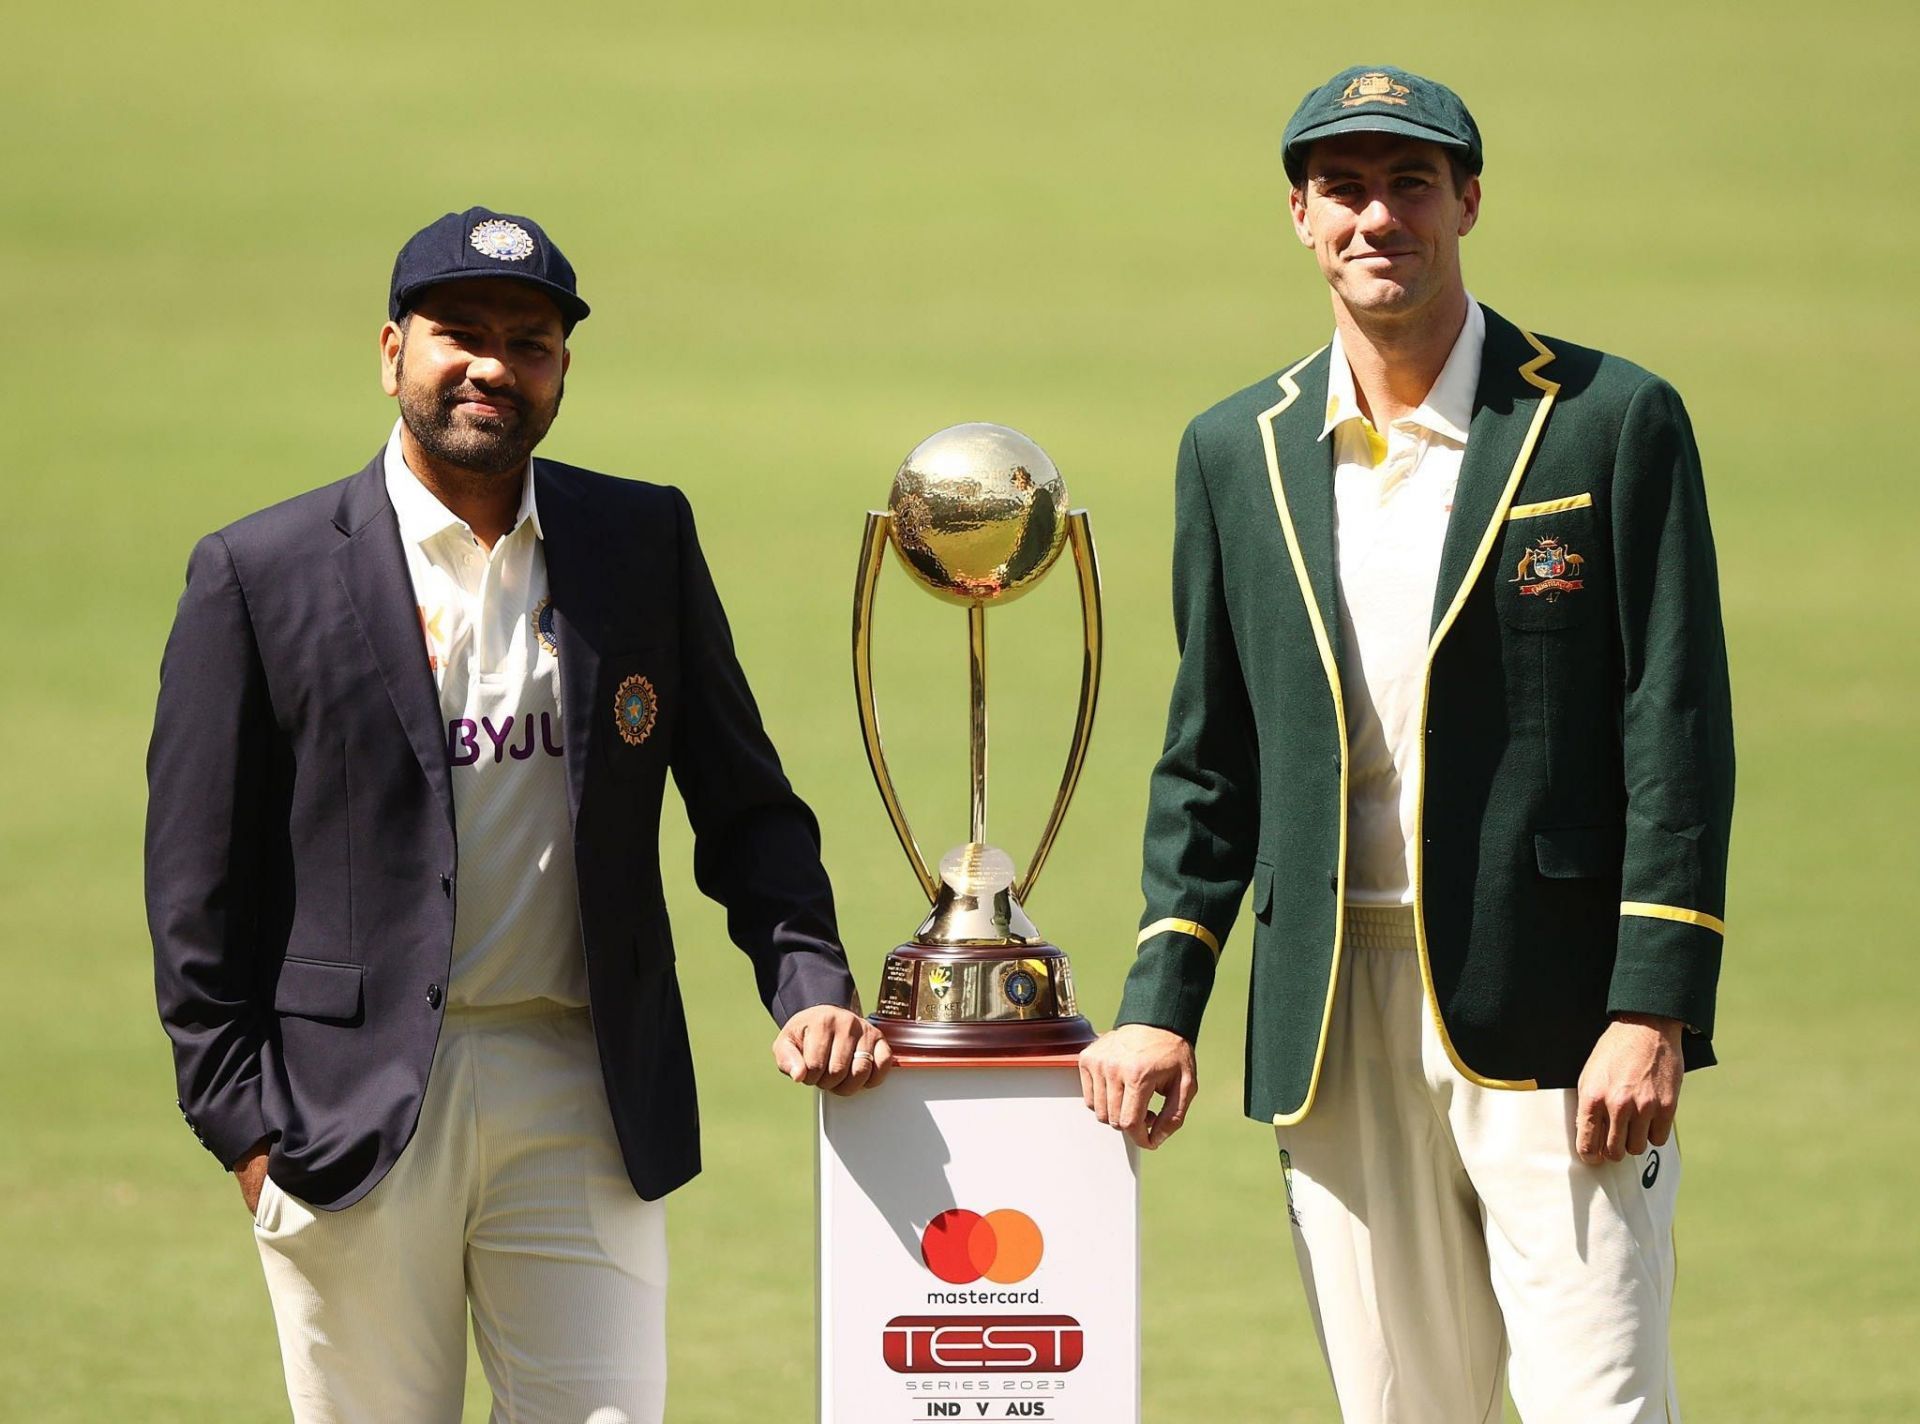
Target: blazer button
446,885
433,996
1333,880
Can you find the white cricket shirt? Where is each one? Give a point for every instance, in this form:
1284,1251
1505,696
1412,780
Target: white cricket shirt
1392,499
487,620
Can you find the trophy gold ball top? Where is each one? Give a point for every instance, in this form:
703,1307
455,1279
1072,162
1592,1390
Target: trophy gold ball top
978,513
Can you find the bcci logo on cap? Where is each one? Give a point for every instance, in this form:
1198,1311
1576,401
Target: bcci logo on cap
502,240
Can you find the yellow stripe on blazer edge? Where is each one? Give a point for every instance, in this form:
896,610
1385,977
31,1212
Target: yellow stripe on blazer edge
1290,392
1549,391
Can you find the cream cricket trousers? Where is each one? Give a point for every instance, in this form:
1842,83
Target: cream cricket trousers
1441,1226
512,1199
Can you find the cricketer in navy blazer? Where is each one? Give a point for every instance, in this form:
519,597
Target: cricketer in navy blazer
301,864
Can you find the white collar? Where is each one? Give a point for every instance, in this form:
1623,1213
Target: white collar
419,510
1448,408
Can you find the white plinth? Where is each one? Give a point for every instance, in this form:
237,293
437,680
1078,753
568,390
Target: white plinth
900,1345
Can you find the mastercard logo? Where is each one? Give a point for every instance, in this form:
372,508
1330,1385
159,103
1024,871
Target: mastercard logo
962,1246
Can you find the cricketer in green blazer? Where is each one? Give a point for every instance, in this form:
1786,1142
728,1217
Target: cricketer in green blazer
1577,773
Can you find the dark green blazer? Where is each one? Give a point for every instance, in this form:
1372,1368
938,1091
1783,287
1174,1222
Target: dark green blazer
1577,783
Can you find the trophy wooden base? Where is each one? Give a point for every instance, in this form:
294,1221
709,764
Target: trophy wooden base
995,1000
1036,1039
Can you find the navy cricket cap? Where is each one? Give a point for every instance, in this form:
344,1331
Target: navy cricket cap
483,243
1377,98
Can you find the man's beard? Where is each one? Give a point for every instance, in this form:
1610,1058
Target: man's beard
486,445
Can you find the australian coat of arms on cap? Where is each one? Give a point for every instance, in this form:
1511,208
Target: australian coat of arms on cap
1373,89
502,240
635,706
1549,569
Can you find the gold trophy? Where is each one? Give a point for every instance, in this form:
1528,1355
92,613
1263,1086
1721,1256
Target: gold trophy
978,514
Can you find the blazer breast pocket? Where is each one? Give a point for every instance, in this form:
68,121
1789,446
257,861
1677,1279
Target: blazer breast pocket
1551,570
641,692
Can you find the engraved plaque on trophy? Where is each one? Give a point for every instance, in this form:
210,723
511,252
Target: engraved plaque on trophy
978,514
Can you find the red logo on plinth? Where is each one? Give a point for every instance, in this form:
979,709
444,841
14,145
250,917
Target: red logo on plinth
1005,1344
962,1246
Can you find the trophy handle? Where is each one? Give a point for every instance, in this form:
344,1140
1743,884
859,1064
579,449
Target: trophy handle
1080,532
866,583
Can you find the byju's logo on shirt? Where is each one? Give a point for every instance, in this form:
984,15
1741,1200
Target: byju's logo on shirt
518,737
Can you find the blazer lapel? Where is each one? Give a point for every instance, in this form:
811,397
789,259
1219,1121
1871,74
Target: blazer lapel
571,550
1509,410
373,569
1300,469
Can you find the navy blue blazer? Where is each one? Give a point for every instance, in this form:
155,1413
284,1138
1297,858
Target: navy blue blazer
302,870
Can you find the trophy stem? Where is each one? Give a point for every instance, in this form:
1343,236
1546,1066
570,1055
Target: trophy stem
865,585
1087,564
977,708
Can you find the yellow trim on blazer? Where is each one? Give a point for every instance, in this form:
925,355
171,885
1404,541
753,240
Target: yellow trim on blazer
1550,506
1185,927
1675,913
1530,373
1291,392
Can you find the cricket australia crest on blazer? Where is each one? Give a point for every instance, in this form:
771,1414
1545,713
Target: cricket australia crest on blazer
1548,569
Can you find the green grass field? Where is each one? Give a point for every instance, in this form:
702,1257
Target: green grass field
812,235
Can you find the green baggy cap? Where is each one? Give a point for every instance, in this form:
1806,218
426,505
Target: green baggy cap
1377,98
